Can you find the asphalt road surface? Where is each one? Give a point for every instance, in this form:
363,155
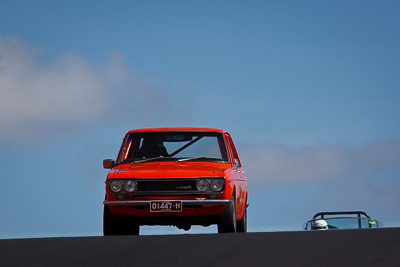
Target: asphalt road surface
369,247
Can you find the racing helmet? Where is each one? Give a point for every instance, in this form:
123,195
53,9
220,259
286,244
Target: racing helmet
319,225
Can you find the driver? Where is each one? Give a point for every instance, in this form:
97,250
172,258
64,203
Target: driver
152,147
319,225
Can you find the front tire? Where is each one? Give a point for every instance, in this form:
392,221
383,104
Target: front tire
242,224
119,225
227,219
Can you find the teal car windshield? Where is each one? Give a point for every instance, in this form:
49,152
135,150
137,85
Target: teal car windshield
341,220
341,223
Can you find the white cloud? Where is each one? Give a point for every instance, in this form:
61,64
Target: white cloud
298,182
271,163
43,97
68,89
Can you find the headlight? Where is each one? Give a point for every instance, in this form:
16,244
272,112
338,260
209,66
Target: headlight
217,185
130,186
202,185
116,186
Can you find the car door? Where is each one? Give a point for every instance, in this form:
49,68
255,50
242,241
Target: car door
240,177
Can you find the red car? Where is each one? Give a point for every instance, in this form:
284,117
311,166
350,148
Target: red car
175,176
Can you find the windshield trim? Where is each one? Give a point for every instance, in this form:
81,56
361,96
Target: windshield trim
200,134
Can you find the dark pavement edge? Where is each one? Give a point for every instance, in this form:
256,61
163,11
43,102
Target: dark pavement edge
369,247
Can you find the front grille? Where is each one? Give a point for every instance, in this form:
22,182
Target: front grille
185,186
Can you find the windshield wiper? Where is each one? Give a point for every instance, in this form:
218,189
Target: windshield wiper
200,157
150,159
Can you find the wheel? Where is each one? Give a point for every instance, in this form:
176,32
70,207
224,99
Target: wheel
110,226
242,224
129,225
119,225
227,219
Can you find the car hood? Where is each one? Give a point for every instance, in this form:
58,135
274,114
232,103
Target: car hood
168,170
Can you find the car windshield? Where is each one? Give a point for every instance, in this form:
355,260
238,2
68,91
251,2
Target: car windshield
341,223
177,146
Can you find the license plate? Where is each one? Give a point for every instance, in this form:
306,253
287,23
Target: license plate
166,206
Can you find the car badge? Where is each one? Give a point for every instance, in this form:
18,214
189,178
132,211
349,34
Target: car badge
184,187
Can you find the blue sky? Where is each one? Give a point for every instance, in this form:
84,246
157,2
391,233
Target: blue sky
309,91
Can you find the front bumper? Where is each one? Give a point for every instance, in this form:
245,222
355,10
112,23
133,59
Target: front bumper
185,202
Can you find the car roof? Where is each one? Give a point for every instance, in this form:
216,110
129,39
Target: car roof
165,129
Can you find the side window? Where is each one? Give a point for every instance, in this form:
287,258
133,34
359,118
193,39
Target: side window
232,150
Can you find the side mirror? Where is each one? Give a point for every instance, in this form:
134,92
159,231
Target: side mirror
108,163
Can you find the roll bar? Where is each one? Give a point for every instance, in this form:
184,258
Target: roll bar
322,214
